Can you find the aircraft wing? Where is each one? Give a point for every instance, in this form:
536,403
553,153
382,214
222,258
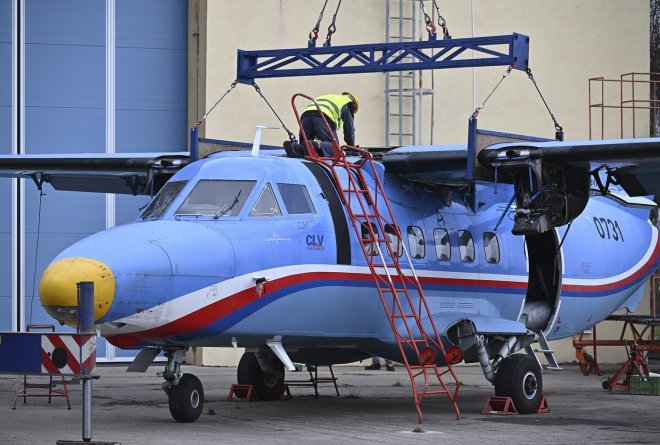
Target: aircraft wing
122,173
554,180
634,164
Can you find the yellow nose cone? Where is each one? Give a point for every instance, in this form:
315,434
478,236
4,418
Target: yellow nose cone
59,293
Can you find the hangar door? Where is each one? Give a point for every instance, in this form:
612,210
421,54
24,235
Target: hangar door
80,76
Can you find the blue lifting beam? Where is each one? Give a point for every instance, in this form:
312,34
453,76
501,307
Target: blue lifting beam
381,57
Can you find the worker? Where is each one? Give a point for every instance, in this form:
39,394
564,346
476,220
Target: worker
339,110
375,364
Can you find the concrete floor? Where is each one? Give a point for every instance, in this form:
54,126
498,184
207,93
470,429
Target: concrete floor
374,406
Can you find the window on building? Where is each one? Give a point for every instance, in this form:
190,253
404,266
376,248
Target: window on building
442,244
296,199
393,240
266,204
416,242
491,248
465,246
163,199
216,198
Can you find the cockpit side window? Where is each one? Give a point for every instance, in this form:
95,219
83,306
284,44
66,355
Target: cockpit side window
163,199
296,199
216,198
266,204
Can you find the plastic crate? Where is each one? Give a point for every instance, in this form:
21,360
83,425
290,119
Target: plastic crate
649,386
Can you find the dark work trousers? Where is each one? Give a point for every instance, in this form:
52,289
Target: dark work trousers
313,126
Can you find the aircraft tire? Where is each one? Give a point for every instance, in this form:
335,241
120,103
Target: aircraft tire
250,373
519,377
186,399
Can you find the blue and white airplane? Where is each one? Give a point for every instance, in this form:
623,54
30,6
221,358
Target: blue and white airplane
259,250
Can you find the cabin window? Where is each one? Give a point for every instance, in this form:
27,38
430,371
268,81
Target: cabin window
465,246
416,242
216,198
442,244
393,240
491,248
266,204
296,199
163,199
370,244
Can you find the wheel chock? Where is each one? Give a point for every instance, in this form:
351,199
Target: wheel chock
242,393
286,393
543,406
502,406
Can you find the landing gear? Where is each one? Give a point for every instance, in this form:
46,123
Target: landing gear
264,371
186,399
519,377
184,391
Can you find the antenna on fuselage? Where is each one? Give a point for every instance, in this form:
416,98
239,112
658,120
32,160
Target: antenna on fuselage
257,138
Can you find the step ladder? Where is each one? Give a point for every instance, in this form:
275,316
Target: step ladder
544,348
400,293
49,386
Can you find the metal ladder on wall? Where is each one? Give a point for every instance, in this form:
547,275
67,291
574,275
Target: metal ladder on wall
372,220
403,93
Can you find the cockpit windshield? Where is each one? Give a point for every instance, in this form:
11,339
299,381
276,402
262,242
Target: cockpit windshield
163,199
216,198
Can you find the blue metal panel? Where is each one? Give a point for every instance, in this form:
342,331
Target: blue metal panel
62,211
383,57
64,130
151,24
5,130
5,73
151,79
128,207
5,21
65,22
65,76
149,131
5,255
20,354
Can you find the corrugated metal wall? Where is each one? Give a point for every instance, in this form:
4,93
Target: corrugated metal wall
65,78
5,148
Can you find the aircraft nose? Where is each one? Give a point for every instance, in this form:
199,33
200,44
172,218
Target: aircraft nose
59,293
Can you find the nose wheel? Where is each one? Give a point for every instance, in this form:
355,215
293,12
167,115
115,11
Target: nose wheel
186,399
184,391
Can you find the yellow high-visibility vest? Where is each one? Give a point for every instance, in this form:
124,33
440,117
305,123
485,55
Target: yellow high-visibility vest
330,105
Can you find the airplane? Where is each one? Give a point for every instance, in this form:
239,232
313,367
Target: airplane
263,250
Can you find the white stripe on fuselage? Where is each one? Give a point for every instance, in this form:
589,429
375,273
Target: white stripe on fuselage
181,306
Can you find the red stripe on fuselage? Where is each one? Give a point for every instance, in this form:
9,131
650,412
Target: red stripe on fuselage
616,284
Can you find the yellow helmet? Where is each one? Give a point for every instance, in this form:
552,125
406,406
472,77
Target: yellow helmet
354,97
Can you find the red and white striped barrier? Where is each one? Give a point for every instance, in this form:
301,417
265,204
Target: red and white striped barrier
68,354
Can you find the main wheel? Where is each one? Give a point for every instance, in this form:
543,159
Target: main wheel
519,377
266,386
186,399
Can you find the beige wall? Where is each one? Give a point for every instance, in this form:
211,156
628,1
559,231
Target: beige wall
570,41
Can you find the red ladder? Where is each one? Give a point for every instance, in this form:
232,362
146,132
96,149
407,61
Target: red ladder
371,214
